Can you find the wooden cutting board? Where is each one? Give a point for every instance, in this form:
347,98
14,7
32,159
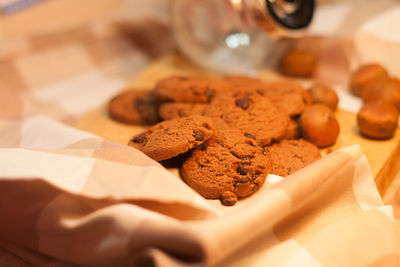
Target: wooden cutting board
377,151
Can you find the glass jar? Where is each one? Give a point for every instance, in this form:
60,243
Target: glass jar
236,36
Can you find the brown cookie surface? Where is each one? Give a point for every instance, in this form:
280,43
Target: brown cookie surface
378,120
319,125
387,91
293,131
196,89
325,95
250,112
367,75
134,107
288,156
228,166
288,96
174,110
173,137
299,63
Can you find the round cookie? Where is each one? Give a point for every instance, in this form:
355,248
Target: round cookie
299,63
173,137
365,76
134,107
288,96
196,89
325,95
229,166
250,112
319,125
378,120
288,156
386,91
174,110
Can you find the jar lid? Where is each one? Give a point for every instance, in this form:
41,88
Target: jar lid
282,18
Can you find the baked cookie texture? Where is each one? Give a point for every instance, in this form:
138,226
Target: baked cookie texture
173,137
226,134
195,89
229,166
325,95
378,120
387,91
137,107
288,156
299,63
288,96
319,125
365,76
174,110
250,112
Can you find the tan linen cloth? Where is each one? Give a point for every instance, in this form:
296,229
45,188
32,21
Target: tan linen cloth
83,200
69,198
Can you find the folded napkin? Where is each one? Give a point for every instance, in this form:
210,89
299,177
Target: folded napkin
69,198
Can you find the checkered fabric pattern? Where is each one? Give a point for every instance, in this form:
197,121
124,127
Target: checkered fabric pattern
70,198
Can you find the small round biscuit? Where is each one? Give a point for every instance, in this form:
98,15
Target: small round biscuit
386,91
288,156
319,125
299,63
195,89
174,110
378,120
322,94
137,107
367,75
229,166
250,112
170,138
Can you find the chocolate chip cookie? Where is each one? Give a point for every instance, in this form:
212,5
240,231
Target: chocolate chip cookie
173,137
137,107
229,166
250,112
196,89
290,97
174,110
288,156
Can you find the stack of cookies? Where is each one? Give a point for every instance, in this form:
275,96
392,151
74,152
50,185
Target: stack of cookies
378,117
228,132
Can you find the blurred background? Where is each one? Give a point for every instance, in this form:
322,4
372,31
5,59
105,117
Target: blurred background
86,48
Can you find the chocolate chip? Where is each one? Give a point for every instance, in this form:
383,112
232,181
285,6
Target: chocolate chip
192,88
260,92
242,180
207,126
250,136
141,139
228,198
256,175
199,135
250,143
183,78
241,169
243,102
209,93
